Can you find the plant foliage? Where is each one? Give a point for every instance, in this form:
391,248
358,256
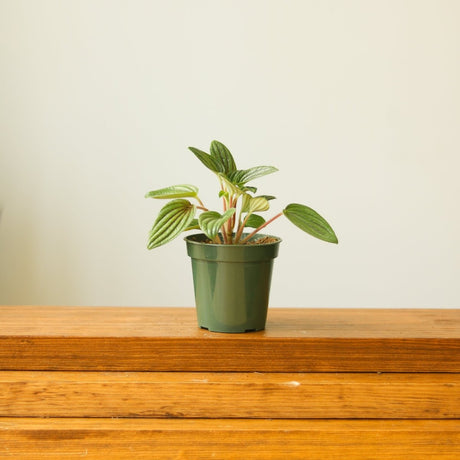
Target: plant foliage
239,203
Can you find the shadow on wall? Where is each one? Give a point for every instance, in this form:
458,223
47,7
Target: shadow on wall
18,262
25,266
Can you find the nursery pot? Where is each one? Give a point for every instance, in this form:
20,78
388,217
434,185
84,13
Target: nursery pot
231,283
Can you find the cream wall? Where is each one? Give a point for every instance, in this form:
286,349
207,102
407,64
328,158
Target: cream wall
356,102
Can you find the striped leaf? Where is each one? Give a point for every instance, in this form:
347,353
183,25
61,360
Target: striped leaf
230,186
211,221
245,200
175,191
257,204
207,160
173,219
252,204
242,176
223,157
193,225
310,222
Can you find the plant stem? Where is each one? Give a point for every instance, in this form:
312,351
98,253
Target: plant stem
241,228
201,203
260,228
231,222
232,219
240,221
202,208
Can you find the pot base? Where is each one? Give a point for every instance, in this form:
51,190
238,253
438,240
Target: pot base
232,332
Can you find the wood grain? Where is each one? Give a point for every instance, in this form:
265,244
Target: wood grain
229,395
322,395
167,339
367,323
228,439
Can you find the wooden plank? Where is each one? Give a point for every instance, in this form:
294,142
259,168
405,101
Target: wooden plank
228,439
167,339
369,323
230,355
229,395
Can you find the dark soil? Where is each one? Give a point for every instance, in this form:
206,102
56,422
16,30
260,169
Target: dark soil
262,240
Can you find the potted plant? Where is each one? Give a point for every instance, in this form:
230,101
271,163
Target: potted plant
231,261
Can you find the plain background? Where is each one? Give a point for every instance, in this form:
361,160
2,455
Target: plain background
357,102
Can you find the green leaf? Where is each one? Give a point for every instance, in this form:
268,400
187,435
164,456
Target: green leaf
242,176
255,221
175,191
223,157
193,225
248,188
232,188
310,221
211,221
245,201
269,197
252,204
258,203
207,160
172,219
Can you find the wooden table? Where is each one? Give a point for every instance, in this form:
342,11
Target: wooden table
146,383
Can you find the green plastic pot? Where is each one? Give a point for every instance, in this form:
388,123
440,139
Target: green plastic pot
231,283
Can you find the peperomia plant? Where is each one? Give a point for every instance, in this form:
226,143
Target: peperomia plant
240,206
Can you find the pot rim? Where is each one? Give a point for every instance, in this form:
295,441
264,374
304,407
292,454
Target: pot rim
189,239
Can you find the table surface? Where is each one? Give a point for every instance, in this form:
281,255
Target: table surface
46,321
148,383
168,339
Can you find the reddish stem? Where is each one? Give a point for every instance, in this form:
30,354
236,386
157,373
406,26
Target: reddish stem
245,240
240,230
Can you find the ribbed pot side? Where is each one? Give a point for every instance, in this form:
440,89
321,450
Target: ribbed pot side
231,283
